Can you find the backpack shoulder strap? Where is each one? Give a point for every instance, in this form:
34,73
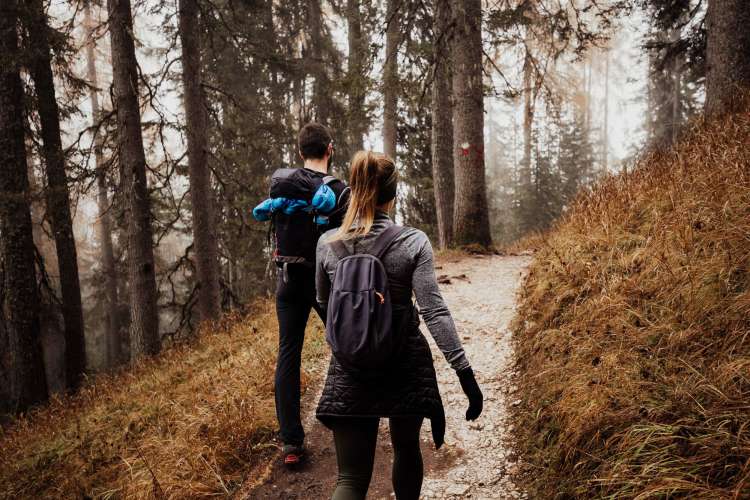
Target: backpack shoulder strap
339,249
384,240
328,179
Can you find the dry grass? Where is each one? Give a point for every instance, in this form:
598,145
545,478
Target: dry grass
633,337
187,424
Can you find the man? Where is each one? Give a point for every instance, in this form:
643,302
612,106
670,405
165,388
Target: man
304,203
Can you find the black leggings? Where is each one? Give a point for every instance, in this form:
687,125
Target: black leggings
355,440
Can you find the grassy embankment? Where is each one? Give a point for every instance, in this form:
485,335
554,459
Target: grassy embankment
190,423
633,337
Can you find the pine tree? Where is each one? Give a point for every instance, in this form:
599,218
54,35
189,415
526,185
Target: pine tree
576,158
201,194
18,290
57,195
471,213
727,55
356,76
113,331
144,319
676,70
390,77
442,124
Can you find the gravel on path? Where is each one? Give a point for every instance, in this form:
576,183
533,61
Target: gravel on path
476,462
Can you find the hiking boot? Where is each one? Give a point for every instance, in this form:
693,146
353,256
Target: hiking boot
292,454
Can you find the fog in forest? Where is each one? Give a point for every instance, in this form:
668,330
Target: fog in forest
571,96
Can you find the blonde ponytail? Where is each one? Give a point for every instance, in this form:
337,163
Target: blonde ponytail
373,181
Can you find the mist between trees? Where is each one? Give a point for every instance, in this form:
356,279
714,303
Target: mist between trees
136,136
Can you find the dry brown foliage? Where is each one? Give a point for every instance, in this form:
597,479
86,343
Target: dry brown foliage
186,424
633,334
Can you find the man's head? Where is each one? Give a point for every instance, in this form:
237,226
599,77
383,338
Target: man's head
315,142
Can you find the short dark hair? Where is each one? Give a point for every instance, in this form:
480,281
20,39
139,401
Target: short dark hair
313,141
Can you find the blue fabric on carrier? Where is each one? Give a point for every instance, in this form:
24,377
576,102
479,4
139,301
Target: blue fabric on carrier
323,202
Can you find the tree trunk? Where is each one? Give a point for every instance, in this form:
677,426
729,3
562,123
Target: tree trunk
390,77
587,70
5,367
277,91
57,196
201,194
471,215
144,322
605,129
321,85
114,342
442,125
676,99
528,119
727,55
357,78
20,299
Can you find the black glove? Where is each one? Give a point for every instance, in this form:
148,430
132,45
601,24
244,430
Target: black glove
472,391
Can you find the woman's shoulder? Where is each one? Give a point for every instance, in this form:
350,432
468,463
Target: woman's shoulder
323,247
414,239
412,233
326,236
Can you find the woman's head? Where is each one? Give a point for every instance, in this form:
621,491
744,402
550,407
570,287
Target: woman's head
373,182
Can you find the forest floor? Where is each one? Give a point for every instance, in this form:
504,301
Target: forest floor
477,460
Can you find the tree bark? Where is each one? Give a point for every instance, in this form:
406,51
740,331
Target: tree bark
20,298
528,119
442,125
471,223
605,129
321,85
676,100
57,195
201,194
114,342
5,367
390,78
588,63
727,55
357,78
144,323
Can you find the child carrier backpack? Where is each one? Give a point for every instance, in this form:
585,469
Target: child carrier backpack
360,325
298,223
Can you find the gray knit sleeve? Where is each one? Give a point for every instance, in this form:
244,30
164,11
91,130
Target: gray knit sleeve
432,307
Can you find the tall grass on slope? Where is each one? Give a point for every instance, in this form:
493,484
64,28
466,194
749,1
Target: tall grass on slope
633,334
187,424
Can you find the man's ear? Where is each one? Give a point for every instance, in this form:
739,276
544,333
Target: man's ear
300,155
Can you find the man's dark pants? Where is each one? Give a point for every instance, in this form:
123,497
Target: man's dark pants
295,297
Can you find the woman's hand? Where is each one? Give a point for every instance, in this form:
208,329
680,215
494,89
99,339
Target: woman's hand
472,391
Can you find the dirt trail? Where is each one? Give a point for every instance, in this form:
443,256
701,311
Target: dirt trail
475,461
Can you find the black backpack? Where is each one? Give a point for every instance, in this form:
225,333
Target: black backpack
360,325
296,235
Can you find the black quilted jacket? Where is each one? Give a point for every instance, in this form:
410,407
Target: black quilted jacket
409,388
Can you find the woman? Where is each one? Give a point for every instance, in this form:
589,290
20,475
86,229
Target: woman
407,393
